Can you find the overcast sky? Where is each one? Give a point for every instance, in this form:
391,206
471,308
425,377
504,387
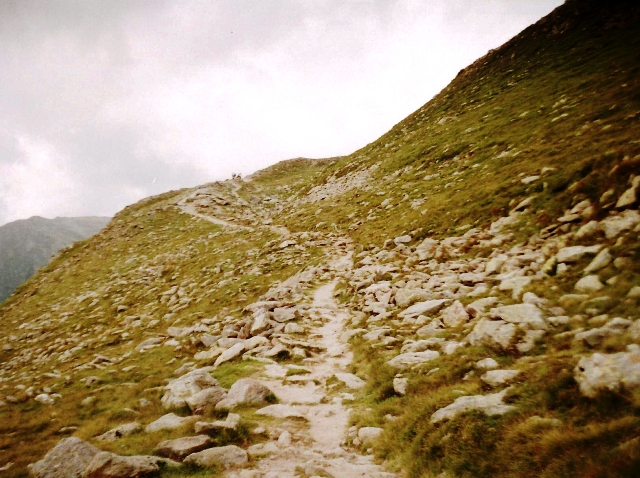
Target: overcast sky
104,102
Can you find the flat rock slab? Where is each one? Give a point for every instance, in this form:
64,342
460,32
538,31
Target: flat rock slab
231,423
280,411
408,360
226,456
68,459
489,404
180,448
424,308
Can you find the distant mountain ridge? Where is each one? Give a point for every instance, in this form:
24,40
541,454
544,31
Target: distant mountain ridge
28,244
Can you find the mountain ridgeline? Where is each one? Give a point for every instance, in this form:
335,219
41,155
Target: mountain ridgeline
28,244
458,298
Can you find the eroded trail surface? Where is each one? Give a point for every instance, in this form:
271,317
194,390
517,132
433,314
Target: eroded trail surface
310,435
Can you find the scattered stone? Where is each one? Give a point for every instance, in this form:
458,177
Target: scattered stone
400,385
487,364
525,315
407,297
245,391
408,360
227,456
478,307
369,434
45,399
455,315
630,196
602,260
179,448
177,391
402,240
492,333
609,371
589,284
529,340
120,431
206,400
68,459
496,378
230,423
231,353
424,308
110,465
634,292
351,380
489,404
588,230
575,253
613,226
170,421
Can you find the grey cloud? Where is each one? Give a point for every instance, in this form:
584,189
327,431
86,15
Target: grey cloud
118,99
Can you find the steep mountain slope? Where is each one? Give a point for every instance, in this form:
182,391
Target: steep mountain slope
481,260
28,244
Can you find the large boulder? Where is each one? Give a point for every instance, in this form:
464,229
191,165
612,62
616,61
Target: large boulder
68,459
110,465
491,404
179,390
612,226
245,391
226,456
411,359
609,371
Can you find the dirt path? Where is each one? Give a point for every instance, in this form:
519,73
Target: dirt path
315,445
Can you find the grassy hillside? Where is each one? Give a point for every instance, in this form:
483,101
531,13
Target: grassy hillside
26,245
528,151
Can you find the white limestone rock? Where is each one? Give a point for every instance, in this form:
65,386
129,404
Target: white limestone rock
602,260
455,315
589,284
206,400
408,360
495,378
491,404
177,391
575,253
69,458
180,448
609,371
245,391
524,315
492,333
226,456
487,364
406,296
613,226
424,308
350,380
170,421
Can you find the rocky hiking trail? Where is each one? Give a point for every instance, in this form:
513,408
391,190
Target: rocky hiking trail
312,438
